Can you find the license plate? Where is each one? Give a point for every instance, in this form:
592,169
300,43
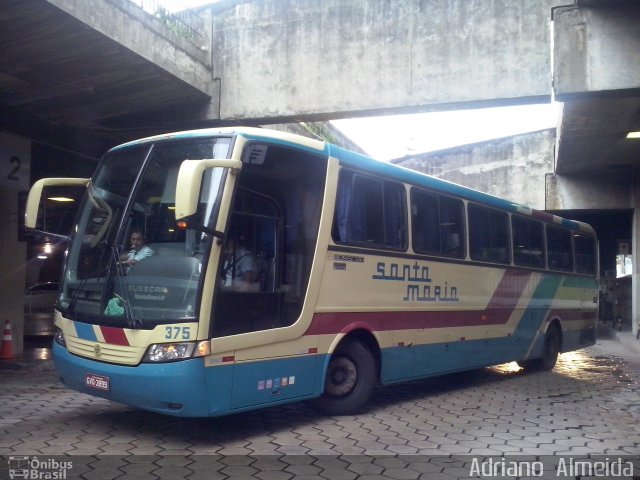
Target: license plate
98,382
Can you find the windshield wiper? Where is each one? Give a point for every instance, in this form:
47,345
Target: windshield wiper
78,290
124,300
102,207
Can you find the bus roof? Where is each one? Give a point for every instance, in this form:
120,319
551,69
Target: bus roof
365,163
389,170
247,132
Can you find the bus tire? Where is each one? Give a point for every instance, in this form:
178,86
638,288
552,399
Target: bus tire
550,352
350,380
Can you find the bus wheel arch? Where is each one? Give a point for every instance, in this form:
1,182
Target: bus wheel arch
557,324
552,347
352,373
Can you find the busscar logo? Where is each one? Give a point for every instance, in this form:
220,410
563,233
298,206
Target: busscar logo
38,469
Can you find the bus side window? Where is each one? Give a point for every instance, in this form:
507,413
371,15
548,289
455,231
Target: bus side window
364,215
395,216
425,222
451,227
370,211
488,235
559,254
585,250
528,242
438,224
341,219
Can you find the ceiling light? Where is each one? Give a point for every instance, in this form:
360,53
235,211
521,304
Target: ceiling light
61,199
633,135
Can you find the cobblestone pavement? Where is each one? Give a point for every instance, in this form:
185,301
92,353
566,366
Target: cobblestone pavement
438,428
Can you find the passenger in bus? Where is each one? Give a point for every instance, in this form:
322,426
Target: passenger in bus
453,245
240,268
139,250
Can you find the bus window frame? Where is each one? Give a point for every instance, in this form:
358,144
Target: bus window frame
354,177
593,271
543,254
462,255
508,233
550,263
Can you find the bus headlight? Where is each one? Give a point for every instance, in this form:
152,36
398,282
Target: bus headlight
173,352
58,337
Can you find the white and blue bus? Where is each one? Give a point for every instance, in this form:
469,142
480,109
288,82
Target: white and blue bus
355,273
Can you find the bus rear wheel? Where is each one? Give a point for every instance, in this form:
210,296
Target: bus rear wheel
350,380
550,352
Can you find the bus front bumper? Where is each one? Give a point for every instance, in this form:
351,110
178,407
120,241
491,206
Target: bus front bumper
177,388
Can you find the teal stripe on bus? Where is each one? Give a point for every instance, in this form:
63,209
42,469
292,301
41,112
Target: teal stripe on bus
402,363
421,361
85,331
538,309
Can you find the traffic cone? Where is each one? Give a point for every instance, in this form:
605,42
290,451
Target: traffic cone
6,350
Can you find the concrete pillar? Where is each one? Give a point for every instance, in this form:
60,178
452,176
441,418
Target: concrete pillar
635,251
15,159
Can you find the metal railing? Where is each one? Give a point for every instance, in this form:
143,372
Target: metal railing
177,16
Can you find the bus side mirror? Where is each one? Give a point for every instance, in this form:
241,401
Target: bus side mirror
190,182
35,195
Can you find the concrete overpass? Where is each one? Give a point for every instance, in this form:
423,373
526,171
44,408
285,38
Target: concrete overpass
89,74
79,76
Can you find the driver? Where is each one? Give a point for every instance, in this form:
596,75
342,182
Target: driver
139,249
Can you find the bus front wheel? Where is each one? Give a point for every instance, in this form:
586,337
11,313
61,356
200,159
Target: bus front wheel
550,352
350,380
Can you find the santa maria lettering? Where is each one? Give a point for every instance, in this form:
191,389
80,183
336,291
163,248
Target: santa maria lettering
420,287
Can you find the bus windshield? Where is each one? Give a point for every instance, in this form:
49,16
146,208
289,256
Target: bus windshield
129,264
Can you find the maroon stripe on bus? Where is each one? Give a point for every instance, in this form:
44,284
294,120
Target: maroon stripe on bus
506,296
498,311
114,336
569,315
544,216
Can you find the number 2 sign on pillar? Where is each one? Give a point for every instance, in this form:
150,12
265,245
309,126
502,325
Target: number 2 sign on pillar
15,156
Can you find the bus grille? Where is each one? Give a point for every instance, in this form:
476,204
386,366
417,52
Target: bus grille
104,352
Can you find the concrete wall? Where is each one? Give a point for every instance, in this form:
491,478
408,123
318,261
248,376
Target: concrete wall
520,169
513,168
281,58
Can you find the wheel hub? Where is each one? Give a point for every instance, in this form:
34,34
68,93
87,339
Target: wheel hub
342,377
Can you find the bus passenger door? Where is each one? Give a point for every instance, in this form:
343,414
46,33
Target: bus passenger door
269,249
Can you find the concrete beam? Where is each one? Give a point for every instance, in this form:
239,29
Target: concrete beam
608,191
286,59
596,51
130,26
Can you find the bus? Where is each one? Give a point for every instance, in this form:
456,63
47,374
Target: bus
357,273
